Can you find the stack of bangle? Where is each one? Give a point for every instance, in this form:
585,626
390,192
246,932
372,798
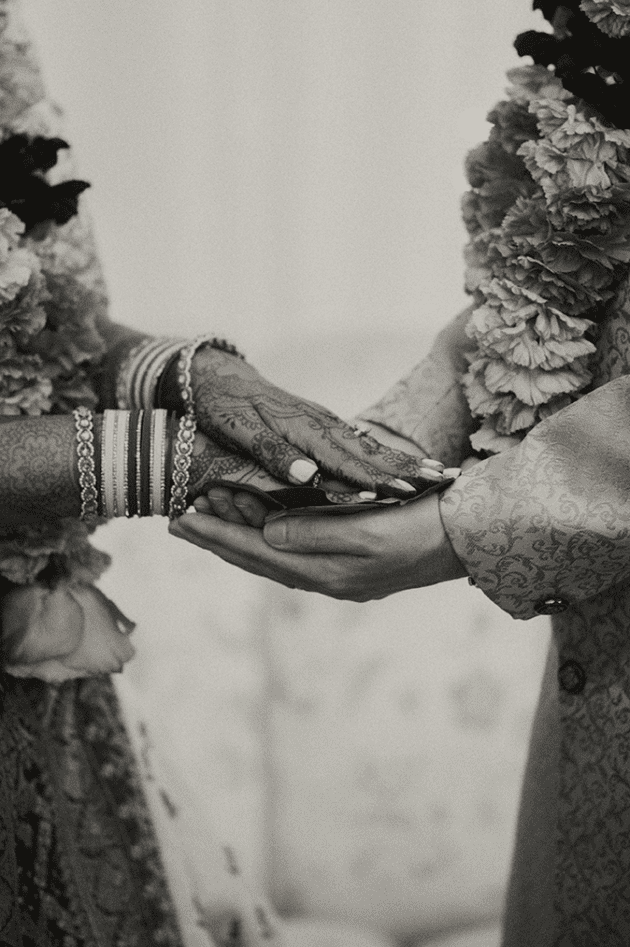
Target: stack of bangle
140,375
140,372
144,464
135,473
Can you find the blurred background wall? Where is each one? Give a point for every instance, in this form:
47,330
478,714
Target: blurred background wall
288,173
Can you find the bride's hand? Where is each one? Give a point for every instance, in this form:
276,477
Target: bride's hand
212,462
359,557
289,436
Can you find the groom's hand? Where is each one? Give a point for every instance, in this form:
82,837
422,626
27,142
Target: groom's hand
357,557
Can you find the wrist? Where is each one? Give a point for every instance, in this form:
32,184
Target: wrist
132,463
207,361
450,563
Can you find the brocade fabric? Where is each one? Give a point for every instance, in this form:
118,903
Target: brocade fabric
550,518
79,860
79,863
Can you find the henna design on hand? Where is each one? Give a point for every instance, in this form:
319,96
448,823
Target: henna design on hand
237,408
212,462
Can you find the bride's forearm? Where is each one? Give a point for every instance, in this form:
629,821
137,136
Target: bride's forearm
38,470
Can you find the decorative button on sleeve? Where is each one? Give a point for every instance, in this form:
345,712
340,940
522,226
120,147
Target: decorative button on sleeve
551,606
571,677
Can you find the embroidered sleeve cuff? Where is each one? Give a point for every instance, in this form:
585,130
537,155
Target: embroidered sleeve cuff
547,524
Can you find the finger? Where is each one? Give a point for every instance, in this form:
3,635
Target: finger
221,501
400,468
342,454
202,505
282,459
253,510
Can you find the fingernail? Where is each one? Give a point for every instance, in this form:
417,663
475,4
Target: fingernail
276,533
453,472
367,495
301,471
433,464
429,474
403,485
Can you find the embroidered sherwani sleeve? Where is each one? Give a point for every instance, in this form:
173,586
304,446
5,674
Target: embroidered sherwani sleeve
428,406
550,519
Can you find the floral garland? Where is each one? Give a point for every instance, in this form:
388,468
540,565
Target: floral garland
548,216
50,301
47,341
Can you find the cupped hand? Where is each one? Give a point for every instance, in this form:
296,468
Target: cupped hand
357,557
290,436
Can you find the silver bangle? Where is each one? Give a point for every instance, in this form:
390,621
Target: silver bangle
184,365
182,458
85,459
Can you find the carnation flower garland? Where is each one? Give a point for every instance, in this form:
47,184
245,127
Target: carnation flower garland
51,300
549,221
611,16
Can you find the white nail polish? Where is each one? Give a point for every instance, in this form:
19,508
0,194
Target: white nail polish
453,472
301,471
432,464
367,495
429,474
402,485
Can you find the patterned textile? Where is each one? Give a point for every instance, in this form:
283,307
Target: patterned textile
79,863
550,520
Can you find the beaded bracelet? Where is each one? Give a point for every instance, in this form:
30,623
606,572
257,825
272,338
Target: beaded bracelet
182,458
184,364
87,470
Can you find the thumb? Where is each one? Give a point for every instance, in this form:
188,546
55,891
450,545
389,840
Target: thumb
279,535
313,534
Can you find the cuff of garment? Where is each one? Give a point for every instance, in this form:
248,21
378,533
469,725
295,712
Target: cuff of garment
547,524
